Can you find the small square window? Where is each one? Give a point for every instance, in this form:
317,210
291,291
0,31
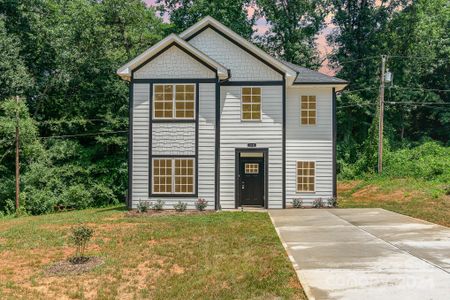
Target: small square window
251,168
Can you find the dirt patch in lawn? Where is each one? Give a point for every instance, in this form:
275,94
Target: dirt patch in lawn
66,267
347,186
155,213
372,193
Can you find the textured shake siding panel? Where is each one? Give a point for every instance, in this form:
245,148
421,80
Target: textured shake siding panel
173,139
235,133
206,151
309,142
243,65
174,63
140,142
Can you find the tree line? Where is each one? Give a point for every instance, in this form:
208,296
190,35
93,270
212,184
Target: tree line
59,57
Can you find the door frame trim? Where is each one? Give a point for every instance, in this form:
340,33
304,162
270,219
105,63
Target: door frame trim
238,151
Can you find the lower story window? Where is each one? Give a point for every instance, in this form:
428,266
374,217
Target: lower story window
173,176
306,172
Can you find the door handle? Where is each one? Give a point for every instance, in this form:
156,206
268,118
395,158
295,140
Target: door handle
242,185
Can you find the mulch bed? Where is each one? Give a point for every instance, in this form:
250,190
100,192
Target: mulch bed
66,267
135,213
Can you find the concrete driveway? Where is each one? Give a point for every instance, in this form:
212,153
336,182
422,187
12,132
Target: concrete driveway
365,253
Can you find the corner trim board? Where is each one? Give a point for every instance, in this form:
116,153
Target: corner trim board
334,122
217,150
130,145
284,144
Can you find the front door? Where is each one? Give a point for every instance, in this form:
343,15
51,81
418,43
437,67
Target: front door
251,179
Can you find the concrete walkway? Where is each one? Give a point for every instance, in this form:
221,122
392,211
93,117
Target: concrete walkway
365,253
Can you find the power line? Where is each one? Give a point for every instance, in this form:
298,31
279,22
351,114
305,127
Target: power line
418,89
83,134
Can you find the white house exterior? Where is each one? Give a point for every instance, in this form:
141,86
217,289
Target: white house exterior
213,116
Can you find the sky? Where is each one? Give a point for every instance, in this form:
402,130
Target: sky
261,27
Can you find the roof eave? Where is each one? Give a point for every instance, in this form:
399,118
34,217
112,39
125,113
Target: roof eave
125,72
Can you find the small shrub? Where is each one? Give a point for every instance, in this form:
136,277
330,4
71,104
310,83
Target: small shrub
80,236
143,206
332,202
297,202
201,204
158,205
180,206
317,203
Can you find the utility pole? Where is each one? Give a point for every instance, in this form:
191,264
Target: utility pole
381,116
17,155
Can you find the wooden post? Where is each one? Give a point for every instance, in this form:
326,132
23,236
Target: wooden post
17,155
381,116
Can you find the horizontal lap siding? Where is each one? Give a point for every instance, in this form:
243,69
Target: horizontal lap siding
310,143
237,134
141,137
206,149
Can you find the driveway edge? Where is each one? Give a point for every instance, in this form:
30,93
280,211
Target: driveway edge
301,279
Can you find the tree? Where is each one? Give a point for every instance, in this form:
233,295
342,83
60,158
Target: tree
14,77
232,13
293,29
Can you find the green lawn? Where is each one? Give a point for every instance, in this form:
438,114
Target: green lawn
417,198
229,255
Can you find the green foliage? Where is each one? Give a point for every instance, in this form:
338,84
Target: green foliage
80,236
297,202
429,161
158,205
143,206
294,25
180,206
232,13
201,204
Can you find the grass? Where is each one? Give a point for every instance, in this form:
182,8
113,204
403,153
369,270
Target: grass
229,255
417,198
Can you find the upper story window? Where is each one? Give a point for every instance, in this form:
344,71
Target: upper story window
174,101
308,110
251,104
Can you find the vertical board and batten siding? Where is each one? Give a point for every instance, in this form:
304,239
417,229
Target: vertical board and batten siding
235,133
173,63
141,137
243,65
309,143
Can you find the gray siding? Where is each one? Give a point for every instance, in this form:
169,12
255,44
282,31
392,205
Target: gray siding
141,144
235,133
174,63
141,138
309,142
173,139
243,65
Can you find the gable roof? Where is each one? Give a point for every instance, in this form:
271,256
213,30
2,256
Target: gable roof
172,40
295,75
308,76
250,47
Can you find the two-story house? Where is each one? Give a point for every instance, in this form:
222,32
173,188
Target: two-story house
213,116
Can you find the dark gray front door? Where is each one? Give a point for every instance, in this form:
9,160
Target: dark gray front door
251,181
